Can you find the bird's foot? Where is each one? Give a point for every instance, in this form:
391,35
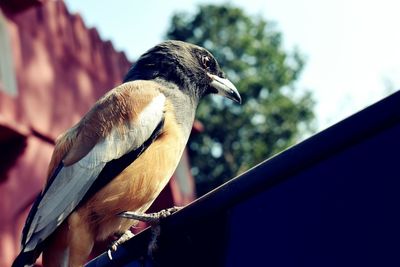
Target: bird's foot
151,218
122,239
154,220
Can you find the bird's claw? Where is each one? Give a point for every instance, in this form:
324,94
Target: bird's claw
152,218
114,245
109,254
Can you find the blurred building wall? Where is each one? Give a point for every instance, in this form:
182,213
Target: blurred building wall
52,70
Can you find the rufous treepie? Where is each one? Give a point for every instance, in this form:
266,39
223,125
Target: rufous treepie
121,154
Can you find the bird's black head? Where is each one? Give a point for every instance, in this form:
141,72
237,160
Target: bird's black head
189,66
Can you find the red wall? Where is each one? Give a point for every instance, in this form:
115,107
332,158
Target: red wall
61,69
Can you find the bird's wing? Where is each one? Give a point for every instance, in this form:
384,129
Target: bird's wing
118,124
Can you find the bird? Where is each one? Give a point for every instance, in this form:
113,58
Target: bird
121,154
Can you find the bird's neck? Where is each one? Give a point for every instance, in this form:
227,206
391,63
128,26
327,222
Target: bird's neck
184,104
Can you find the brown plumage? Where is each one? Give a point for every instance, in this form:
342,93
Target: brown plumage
120,155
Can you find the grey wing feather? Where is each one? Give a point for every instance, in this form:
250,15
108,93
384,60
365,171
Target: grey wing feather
57,204
73,182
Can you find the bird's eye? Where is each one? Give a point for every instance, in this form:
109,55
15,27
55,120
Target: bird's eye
205,60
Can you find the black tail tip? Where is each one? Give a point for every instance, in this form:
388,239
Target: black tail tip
25,259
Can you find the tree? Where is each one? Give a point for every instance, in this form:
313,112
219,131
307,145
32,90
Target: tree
273,115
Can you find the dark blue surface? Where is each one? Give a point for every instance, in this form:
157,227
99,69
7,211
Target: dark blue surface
343,211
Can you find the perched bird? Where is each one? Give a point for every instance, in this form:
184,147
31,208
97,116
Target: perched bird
121,154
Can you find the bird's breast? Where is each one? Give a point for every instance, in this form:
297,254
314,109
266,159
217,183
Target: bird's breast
138,185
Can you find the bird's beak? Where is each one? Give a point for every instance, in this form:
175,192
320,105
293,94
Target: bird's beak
225,88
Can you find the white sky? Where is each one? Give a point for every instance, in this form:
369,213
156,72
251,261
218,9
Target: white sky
352,47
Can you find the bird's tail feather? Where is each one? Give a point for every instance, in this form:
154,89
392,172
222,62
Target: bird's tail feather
25,259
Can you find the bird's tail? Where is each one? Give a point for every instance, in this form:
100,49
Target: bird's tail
25,259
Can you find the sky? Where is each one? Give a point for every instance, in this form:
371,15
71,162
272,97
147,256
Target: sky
351,47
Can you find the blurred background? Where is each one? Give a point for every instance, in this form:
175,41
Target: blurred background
300,66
